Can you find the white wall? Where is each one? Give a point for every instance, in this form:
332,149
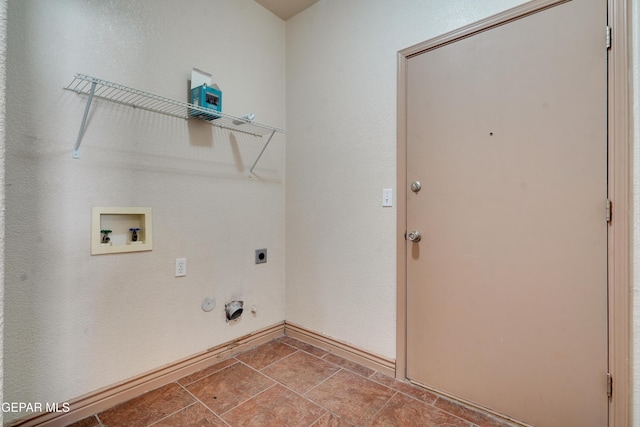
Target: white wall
341,153
74,322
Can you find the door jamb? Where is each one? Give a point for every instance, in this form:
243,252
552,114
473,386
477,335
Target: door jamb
619,191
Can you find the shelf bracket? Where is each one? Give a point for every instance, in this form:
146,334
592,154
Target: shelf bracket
76,153
261,152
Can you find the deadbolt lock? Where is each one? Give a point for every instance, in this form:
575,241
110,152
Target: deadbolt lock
416,186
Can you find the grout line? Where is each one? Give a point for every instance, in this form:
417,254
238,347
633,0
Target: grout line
311,354
276,382
306,344
350,370
303,395
442,410
319,417
248,399
172,414
254,369
286,343
257,394
403,392
322,382
501,421
203,404
369,419
381,407
276,361
341,418
438,397
208,375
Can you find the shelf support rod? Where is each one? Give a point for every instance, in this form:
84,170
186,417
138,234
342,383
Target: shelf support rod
260,155
76,153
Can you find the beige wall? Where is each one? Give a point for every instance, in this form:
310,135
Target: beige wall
75,322
341,94
3,64
635,24
341,116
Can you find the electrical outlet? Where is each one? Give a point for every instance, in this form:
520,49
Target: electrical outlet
181,267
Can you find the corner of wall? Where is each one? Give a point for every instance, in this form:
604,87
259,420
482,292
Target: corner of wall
3,60
635,250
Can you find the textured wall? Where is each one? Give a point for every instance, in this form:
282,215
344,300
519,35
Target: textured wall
341,80
3,68
341,153
74,322
635,44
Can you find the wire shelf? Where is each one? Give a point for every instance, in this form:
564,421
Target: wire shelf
135,98
97,88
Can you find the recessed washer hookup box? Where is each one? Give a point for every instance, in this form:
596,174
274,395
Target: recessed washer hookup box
207,97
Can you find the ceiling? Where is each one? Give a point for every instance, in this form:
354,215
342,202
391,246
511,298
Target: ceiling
285,9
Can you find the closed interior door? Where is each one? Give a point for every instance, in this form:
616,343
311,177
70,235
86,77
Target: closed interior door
507,288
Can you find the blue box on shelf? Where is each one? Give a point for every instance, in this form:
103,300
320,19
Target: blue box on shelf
206,97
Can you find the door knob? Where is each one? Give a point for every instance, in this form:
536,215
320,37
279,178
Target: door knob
414,236
416,186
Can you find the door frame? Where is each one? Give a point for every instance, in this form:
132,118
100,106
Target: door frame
619,190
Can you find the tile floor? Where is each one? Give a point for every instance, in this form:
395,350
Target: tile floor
286,382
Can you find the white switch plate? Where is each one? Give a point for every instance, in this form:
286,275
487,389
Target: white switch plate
181,267
387,197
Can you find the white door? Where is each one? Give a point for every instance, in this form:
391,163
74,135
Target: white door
507,288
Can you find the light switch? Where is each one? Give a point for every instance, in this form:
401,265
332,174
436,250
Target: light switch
387,197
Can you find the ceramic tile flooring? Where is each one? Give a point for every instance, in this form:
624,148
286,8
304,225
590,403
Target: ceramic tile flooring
286,382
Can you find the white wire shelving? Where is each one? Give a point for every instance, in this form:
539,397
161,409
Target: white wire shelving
94,87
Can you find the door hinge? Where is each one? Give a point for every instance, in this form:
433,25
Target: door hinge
608,37
608,210
609,385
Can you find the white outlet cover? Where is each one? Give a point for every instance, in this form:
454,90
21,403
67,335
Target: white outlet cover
181,267
208,304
